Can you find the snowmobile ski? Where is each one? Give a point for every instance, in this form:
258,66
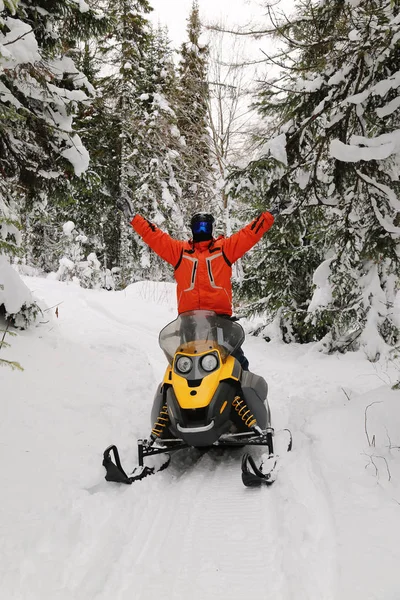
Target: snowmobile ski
115,472
253,476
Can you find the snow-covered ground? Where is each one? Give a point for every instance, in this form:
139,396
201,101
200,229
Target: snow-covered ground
327,529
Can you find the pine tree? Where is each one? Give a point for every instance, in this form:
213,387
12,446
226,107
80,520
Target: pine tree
197,180
333,120
148,159
157,162
40,90
124,51
92,197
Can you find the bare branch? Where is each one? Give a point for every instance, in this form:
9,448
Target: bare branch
346,394
370,443
371,458
240,32
372,462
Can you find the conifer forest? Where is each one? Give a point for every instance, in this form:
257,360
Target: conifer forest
97,105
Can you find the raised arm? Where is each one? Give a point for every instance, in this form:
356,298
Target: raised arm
164,245
239,243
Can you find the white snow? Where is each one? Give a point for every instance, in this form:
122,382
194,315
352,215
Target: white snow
13,291
75,95
77,155
386,224
309,85
160,101
65,64
389,108
20,45
382,87
327,529
68,228
175,131
302,178
83,6
379,89
358,98
323,293
363,148
276,147
7,96
339,75
355,35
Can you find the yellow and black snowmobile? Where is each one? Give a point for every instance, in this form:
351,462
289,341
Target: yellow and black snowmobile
206,399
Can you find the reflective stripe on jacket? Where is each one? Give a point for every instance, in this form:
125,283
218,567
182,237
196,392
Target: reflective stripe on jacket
203,269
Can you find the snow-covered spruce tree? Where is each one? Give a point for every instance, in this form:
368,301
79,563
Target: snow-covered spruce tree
333,114
155,162
278,272
91,198
77,263
46,212
124,51
40,88
197,176
151,144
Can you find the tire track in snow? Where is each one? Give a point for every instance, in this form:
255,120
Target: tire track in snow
204,544
197,533
303,507
307,528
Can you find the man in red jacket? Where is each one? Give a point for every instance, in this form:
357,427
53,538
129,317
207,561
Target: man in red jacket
203,265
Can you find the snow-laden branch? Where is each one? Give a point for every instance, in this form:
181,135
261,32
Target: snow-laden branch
363,148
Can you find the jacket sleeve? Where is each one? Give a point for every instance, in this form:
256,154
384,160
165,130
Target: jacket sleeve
167,248
239,243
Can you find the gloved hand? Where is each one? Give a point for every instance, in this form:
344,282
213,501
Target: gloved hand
126,207
279,206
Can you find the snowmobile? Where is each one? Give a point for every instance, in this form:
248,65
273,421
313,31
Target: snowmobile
205,400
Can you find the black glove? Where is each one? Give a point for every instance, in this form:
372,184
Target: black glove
126,206
280,205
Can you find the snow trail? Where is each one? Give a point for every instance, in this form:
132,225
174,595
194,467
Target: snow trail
192,530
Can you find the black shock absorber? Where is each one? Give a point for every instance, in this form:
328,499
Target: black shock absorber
244,412
161,423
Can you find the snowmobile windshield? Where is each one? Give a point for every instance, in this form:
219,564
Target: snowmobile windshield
198,331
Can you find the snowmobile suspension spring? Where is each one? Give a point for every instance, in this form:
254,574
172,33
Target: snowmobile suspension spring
161,422
244,412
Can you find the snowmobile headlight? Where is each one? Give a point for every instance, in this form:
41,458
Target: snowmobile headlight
209,362
184,364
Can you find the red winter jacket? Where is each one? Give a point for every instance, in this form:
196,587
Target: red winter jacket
203,269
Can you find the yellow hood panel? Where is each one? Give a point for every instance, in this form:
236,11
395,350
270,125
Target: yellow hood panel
201,396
